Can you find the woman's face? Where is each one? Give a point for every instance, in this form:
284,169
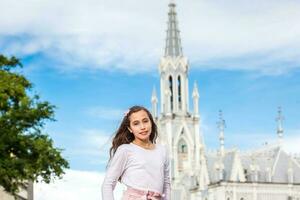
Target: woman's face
140,126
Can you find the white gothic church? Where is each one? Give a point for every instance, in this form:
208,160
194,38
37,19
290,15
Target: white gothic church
268,173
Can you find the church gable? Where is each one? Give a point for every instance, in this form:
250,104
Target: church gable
183,132
228,162
173,64
286,169
225,168
237,173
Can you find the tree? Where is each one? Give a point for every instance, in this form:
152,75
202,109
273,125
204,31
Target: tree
25,152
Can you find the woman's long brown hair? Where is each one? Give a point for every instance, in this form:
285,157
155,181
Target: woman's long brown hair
124,136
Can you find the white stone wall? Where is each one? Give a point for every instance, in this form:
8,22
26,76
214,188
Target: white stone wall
252,191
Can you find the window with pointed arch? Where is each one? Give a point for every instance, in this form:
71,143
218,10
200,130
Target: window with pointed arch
179,92
171,90
182,149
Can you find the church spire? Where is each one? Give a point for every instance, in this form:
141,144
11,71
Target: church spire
279,120
173,43
173,69
221,126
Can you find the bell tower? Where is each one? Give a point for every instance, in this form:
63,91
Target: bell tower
173,70
178,128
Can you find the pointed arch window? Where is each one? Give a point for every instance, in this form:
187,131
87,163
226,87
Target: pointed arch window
171,90
183,148
179,92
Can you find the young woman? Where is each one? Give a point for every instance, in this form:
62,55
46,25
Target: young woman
137,161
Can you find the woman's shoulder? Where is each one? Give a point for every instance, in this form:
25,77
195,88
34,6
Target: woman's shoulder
124,147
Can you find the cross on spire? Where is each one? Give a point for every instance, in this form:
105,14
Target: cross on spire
221,123
279,120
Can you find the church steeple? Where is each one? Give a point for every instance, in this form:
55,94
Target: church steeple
173,70
179,129
173,43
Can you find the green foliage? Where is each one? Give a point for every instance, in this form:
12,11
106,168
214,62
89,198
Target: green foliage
25,152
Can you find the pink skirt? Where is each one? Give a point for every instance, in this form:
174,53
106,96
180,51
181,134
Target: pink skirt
135,194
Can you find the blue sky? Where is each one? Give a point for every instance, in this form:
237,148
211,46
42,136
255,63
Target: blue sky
90,105
94,59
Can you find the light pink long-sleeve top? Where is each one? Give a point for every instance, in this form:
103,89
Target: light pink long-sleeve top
138,168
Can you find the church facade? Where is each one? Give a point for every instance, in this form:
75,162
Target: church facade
268,173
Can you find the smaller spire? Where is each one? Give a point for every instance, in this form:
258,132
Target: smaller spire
195,91
154,103
220,168
154,97
268,174
254,168
279,120
221,125
269,168
196,100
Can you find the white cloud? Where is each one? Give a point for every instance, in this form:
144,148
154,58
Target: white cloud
105,113
116,35
93,144
75,185
291,142
96,137
87,148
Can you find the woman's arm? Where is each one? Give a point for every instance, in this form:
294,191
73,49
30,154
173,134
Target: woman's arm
167,184
115,169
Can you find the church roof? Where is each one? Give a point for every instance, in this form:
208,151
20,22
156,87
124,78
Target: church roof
269,164
283,164
213,163
260,160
